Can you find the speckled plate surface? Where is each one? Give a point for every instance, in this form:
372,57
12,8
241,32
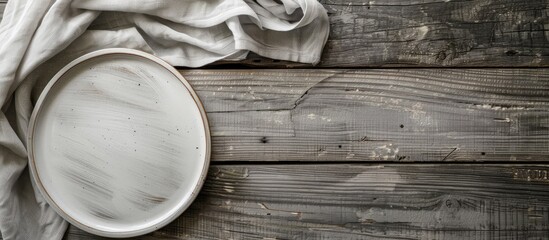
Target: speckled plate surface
119,143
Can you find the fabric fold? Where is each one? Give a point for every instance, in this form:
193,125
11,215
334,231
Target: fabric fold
39,37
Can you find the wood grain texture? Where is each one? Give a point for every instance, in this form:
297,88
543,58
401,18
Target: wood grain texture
360,201
435,115
433,33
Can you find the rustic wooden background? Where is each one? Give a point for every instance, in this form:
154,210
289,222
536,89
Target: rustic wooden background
426,119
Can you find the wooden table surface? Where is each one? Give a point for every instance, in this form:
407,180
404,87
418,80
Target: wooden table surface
426,119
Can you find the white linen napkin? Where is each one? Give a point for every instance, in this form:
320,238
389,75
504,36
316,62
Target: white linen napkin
38,37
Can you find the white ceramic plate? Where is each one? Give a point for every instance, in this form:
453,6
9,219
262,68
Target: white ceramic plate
119,143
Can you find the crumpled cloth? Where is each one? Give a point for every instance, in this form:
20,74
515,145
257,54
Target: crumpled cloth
38,37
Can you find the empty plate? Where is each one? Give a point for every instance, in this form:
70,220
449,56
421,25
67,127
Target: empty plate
119,143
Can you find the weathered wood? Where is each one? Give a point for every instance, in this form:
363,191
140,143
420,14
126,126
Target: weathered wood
376,115
366,202
384,115
431,33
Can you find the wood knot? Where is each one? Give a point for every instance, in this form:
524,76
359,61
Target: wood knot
441,55
511,53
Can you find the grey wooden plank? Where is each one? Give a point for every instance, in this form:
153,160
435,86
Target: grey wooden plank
433,33
360,201
377,114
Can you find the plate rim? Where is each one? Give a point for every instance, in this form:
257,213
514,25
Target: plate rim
38,108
